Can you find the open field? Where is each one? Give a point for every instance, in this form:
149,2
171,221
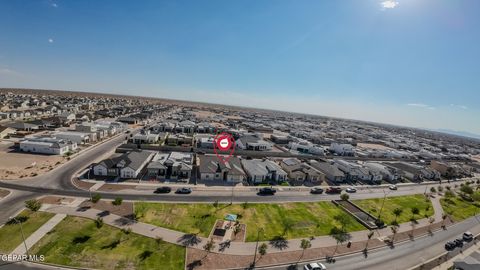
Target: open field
10,233
406,203
78,242
459,209
14,165
291,220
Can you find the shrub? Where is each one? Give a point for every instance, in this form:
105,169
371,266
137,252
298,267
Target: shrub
33,205
96,198
117,201
99,222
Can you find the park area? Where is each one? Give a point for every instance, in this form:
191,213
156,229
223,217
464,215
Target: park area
79,242
405,203
289,220
10,233
458,208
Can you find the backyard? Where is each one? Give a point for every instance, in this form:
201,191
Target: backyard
406,203
290,220
78,242
10,234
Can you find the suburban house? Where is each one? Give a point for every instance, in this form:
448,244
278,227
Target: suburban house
204,141
6,131
179,139
212,169
128,165
47,145
185,127
144,137
253,142
300,172
23,126
307,148
342,149
331,172
415,172
77,137
174,165
67,117
263,170
389,174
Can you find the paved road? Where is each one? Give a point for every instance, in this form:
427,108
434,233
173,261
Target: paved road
405,255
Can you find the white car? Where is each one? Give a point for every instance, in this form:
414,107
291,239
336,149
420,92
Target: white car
314,266
351,190
393,187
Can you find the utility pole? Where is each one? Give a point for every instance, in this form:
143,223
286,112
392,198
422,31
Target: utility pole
23,235
231,198
383,203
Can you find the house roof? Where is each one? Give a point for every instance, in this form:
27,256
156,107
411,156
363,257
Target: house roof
211,164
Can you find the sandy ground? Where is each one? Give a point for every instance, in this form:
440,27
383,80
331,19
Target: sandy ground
14,165
476,158
374,146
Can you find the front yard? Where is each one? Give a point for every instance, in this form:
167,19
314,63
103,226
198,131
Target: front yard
406,203
78,242
10,233
291,220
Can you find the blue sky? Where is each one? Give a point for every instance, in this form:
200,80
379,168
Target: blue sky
407,62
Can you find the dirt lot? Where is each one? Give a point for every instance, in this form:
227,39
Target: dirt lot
374,146
14,165
477,158
56,200
123,210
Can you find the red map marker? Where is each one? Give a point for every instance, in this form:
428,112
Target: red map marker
224,146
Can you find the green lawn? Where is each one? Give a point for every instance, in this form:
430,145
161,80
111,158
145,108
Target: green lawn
458,208
406,203
78,242
306,219
10,234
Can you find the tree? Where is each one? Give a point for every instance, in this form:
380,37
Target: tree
262,249
466,189
344,197
394,229
431,220
440,189
343,219
444,217
397,212
340,236
159,240
99,222
432,189
208,247
215,204
96,198
369,235
287,224
33,205
245,205
304,244
117,201
415,211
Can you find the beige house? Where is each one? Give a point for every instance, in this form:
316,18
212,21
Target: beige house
6,131
300,173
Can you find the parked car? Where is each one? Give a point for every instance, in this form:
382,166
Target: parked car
351,190
467,236
163,190
314,266
267,191
316,190
333,190
184,190
458,242
393,187
450,245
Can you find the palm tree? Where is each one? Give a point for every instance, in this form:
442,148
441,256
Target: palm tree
304,244
208,247
397,212
369,235
287,225
431,220
343,219
415,211
444,217
262,250
394,229
340,236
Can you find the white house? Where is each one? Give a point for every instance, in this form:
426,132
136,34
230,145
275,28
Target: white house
342,149
259,170
47,145
75,136
253,142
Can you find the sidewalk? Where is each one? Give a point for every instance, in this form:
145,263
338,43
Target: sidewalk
38,234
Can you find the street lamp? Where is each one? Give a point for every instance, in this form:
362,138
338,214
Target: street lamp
23,235
256,247
383,203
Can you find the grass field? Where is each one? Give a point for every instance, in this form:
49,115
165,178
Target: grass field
305,219
406,203
10,234
78,242
458,208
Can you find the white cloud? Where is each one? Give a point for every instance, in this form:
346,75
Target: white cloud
421,105
389,4
50,40
53,4
5,71
463,107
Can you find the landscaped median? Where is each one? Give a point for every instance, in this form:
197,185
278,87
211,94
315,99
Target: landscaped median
10,233
406,204
81,242
290,220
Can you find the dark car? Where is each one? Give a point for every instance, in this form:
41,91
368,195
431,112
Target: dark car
267,191
450,245
333,190
458,242
184,190
316,190
163,190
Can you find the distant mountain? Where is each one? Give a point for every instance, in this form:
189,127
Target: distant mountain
459,133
